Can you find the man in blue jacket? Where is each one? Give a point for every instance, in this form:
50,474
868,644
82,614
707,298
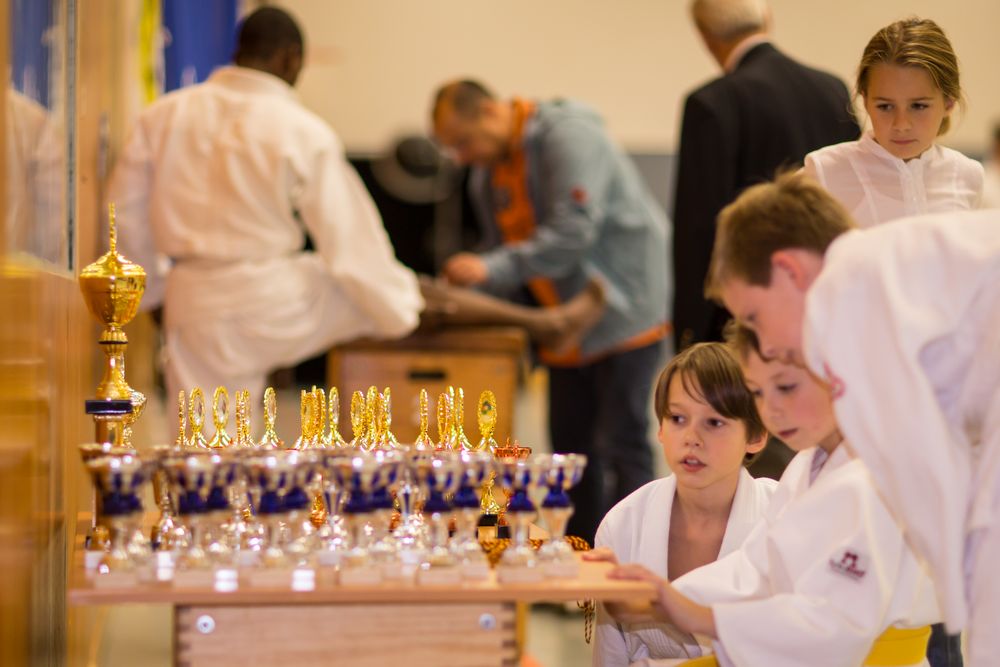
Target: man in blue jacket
562,207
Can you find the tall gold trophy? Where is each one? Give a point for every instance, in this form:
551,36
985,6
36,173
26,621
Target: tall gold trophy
112,287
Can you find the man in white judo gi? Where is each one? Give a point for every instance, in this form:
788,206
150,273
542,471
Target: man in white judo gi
226,178
903,322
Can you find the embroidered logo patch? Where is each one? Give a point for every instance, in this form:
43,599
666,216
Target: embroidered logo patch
851,564
837,387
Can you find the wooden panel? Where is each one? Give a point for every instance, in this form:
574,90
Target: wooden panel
417,635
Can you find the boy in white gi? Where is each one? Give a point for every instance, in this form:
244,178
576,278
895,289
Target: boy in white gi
902,322
827,571
710,430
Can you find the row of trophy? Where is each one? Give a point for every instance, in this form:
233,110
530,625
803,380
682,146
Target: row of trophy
253,509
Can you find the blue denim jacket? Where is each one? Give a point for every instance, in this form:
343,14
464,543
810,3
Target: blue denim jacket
594,218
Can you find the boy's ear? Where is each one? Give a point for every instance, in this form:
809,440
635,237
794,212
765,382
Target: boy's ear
757,445
790,264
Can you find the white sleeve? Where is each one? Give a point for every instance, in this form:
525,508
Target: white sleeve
129,190
833,589
347,229
885,404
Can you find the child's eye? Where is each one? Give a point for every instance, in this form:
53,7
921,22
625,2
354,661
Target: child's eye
716,423
675,419
757,393
786,388
883,106
918,106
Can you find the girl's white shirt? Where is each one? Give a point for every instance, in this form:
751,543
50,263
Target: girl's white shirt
876,186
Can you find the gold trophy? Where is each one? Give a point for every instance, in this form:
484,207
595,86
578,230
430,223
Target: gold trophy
390,439
220,417
461,442
445,428
181,441
487,418
196,415
337,440
243,439
423,441
358,425
270,439
319,439
306,403
112,287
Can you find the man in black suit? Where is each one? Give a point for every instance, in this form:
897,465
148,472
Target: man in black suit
765,112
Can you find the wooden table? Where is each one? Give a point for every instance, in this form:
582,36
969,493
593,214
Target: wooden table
462,625
474,358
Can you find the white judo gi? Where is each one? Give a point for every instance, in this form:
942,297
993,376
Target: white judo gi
819,579
224,178
904,323
876,186
637,529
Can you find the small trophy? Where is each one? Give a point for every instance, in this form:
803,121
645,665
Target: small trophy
390,439
196,413
460,443
337,440
487,417
112,287
270,439
306,412
519,477
181,441
444,421
118,479
477,468
561,473
359,426
220,417
423,441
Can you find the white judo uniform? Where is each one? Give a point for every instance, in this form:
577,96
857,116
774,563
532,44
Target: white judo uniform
876,186
637,529
819,579
904,323
225,178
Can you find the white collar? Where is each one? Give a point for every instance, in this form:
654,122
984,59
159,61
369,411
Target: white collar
741,49
868,142
246,79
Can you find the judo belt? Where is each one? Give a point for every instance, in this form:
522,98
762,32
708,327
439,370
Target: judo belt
896,647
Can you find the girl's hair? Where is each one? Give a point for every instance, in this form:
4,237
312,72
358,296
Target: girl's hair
914,42
710,373
742,341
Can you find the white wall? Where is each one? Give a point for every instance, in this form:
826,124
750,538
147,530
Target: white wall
373,64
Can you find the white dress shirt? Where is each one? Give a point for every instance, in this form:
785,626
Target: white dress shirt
876,186
225,178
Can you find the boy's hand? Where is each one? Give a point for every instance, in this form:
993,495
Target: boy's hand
601,555
466,269
683,612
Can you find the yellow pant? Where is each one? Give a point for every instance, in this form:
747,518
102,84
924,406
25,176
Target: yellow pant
894,648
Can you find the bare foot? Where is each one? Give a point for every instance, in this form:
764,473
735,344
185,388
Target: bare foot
570,321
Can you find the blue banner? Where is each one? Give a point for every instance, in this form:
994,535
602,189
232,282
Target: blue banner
199,36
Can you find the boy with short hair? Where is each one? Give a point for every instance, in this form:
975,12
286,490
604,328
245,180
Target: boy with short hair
903,322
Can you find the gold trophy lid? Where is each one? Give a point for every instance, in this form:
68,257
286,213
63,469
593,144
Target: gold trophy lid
112,286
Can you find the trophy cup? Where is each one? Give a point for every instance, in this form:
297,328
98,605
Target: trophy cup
333,536
223,539
118,477
190,474
384,549
167,535
220,418
562,472
96,541
437,478
298,502
357,474
487,418
519,476
112,287
336,439
270,439
476,469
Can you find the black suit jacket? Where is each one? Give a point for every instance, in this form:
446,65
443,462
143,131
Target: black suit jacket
738,130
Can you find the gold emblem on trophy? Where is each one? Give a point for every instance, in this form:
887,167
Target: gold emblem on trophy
337,440
220,418
196,415
269,439
423,441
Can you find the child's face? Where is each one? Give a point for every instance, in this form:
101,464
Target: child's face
774,313
906,109
795,406
701,446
